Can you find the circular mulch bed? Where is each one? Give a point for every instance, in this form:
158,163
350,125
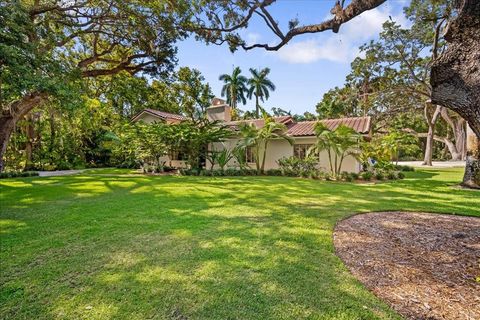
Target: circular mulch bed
425,266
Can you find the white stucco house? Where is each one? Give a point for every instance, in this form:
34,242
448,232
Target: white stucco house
302,133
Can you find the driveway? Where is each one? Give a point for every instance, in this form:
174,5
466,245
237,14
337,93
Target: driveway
58,173
436,164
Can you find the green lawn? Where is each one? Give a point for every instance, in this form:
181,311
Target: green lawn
116,246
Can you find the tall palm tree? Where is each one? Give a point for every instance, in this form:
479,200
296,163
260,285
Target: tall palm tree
234,87
260,86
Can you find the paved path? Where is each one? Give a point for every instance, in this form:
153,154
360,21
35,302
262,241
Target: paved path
58,173
436,164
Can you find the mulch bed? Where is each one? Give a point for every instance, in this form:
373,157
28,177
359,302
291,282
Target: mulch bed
425,266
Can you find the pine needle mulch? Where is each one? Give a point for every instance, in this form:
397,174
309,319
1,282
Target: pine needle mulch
425,266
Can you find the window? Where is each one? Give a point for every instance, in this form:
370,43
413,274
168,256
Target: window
301,150
250,154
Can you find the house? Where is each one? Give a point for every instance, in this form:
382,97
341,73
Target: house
303,134
151,115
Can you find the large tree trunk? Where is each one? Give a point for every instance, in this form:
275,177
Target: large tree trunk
455,75
471,177
10,116
431,120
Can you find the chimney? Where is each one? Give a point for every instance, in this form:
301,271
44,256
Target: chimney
219,111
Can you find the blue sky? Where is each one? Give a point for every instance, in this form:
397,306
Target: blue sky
304,69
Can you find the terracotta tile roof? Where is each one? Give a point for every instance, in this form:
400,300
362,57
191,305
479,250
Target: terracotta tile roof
160,114
259,122
307,128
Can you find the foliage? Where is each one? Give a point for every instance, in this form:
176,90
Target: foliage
339,143
293,166
17,174
339,102
234,87
398,141
259,86
366,175
258,138
240,156
224,156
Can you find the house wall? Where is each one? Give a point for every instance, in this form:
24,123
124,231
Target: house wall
280,148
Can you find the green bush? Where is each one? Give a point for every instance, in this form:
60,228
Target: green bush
366,175
354,175
400,175
273,172
391,175
379,175
404,168
18,174
296,167
232,172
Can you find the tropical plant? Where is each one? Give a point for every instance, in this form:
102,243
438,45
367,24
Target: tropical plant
192,138
234,87
240,155
224,157
338,143
259,86
294,166
397,141
212,156
259,138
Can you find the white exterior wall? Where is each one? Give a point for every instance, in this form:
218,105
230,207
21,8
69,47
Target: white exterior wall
280,148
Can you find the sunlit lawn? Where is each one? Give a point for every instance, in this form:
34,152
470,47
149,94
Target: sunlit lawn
117,246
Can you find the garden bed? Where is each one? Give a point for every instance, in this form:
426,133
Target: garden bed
425,266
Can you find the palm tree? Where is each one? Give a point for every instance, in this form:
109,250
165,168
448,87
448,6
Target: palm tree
259,85
342,142
234,87
258,138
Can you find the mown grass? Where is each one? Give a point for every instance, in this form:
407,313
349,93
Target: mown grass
142,247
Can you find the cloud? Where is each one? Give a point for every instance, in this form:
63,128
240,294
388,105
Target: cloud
344,46
253,38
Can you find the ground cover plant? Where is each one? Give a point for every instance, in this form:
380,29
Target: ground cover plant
123,246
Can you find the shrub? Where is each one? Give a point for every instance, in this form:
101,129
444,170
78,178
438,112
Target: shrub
18,174
379,175
231,172
296,167
218,173
366,175
400,175
344,175
404,168
273,172
391,175
354,175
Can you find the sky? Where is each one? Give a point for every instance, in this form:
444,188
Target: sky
308,66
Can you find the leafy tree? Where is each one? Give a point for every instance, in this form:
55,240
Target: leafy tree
193,136
51,46
338,143
339,102
234,87
259,86
259,138
190,92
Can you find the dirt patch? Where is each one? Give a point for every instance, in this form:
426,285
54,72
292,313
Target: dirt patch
425,266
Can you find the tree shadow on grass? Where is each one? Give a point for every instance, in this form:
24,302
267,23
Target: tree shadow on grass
217,248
